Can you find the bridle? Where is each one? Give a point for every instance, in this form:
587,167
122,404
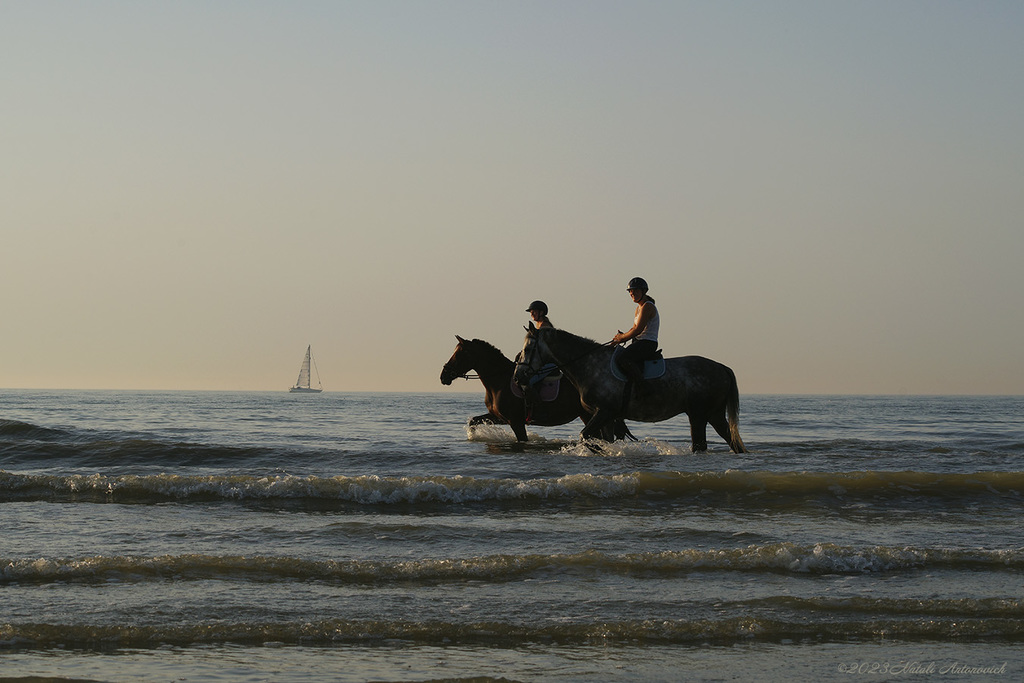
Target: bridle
525,359
466,375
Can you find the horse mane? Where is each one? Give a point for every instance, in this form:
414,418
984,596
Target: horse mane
575,338
489,347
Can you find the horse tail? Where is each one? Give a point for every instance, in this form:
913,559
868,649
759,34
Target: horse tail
732,407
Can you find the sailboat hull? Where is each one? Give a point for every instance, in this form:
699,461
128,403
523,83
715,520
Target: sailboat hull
304,390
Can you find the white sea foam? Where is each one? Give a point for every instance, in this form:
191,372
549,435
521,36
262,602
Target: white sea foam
502,434
623,448
486,433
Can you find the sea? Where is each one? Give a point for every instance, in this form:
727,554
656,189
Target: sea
207,536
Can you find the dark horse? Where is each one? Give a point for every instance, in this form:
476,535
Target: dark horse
504,407
703,389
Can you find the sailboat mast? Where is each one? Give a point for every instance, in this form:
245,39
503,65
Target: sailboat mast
305,366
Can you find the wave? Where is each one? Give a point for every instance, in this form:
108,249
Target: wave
25,430
737,487
22,442
973,608
368,489
789,558
727,630
872,484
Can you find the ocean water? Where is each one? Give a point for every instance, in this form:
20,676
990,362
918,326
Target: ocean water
353,537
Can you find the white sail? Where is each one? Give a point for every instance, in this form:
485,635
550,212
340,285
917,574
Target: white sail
302,384
303,380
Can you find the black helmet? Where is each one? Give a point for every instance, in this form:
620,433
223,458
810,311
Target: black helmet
538,306
638,283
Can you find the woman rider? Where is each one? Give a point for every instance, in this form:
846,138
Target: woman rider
644,333
538,310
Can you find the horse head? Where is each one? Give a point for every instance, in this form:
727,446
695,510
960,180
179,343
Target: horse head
477,355
458,365
532,358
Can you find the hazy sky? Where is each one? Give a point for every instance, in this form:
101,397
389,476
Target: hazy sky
828,197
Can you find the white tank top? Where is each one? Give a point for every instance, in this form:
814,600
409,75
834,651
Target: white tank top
651,331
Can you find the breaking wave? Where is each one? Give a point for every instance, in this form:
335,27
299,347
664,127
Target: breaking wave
790,558
740,487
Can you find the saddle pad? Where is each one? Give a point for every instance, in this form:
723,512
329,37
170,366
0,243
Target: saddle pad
652,368
547,389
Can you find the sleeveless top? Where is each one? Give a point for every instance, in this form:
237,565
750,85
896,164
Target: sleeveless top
650,332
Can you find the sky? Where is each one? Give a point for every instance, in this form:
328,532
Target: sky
828,197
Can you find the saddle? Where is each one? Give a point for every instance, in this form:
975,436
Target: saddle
546,383
652,368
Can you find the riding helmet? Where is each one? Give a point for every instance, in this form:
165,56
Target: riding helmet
538,306
638,283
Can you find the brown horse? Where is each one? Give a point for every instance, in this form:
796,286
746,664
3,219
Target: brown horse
503,405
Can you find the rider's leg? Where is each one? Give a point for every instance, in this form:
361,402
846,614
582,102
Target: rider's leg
629,363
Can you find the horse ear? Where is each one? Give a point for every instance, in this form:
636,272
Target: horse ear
461,340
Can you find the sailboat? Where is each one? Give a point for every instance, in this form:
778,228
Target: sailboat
302,384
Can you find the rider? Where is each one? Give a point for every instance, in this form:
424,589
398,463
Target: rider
644,333
545,384
538,310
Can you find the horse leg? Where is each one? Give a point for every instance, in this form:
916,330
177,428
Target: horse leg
721,426
608,432
594,427
621,431
485,419
698,433
488,419
519,428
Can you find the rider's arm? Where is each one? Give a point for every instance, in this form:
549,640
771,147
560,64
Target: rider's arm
647,312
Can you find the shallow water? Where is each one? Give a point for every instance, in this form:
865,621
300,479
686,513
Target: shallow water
265,536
